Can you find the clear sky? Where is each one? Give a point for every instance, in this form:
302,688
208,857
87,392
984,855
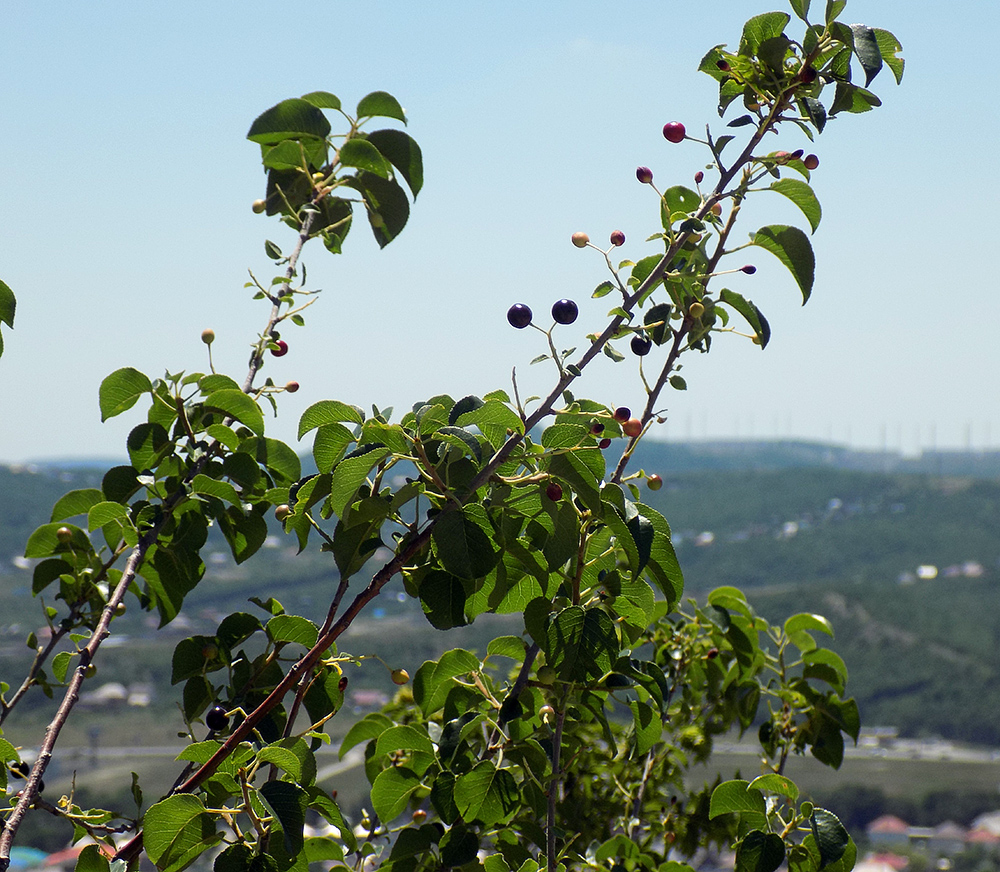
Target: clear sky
125,221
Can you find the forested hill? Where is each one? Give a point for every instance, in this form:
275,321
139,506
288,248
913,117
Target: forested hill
902,555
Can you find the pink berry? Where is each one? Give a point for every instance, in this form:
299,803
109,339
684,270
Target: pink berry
699,177
673,131
617,237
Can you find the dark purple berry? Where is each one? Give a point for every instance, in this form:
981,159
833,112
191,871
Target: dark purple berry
565,311
749,269
597,428
554,491
604,443
622,414
519,316
641,345
644,175
617,237
216,718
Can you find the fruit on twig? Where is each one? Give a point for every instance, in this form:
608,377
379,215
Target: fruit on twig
604,443
120,609
712,653
723,65
580,239
64,534
546,712
208,336
216,718
282,512
617,237
644,175
546,675
342,684
519,316
716,209
654,482
632,427
281,348
400,676
808,74
292,387
597,428
673,131
811,161
749,269
622,414
258,206
696,309
699,177
641,345
554,491
565,311
90,670
419,816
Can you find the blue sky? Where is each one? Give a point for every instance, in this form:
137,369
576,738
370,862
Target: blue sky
126,183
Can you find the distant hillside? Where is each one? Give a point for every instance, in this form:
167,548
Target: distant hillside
800,526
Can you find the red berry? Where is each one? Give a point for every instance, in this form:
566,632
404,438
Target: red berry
565,311
699,177
749,269
604,443
644,175
617,237
673,131
811,161
342,684
622,414
712,653
632,427
554,491
808,74
580,239
519,316
641,345
281,350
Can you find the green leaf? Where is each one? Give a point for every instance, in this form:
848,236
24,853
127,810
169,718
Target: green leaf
288,801
91,859
328,412
403,153
362,154
681,199
391,791
774,783
867,49
830,835
736,797
236,404
44,541
292,628
121,390
800,8
443,597
403,738
462,545
804,621
852,98
486,794
222,490
60,665
388,209
176,831
833,9
754,317
791,246
433,680
322,100
350,474
105,513
761,28
290,119
506,646
581,644
759,852
646,727
329,445
802,196
379,103
76,502
889,47
7,305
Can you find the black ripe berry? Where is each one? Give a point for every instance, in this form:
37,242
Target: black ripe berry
597,428
604,443
519,316
216,718
641,345
554,491
565,311
622,414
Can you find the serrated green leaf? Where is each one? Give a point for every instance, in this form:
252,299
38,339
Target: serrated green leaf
736,797
889,47
236,404
486,794
328,412
391,791
805,621
759,852
433,680
292,628
176,831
